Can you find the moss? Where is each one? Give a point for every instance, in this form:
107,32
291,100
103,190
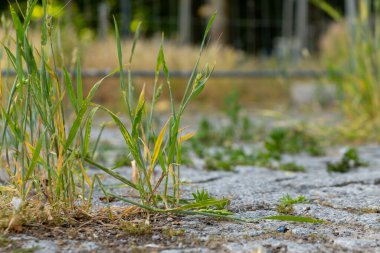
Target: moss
139,228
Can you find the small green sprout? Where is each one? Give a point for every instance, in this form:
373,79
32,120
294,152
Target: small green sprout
286,203
292,167
203,196
350,160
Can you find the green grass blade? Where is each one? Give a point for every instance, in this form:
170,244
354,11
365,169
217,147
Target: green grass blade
44,24
111,173
29,13
70,90
202,204
79,84
87,135
194,71
130,84
330,10
35,157
292,218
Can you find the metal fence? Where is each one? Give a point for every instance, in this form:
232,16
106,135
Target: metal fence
215,74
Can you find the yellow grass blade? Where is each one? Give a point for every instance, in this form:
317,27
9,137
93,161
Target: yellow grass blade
86,178
186,137
157,147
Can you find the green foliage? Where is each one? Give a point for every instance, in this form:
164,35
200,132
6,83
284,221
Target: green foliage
203,196
38,148
153,150
200,196
293,218
286,203
292,167
291,141
352,64
139,228
350,160
227,158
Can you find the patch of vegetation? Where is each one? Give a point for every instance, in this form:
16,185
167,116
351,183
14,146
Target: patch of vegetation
356,78
286,203
279,141
291,167
47,156
171,232
133,228
204,196
227,158
350,160
291,141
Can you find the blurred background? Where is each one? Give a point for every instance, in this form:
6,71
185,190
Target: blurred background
275,53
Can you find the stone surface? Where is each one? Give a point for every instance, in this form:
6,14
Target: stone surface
349,203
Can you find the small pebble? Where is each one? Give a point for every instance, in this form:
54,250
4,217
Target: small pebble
282,229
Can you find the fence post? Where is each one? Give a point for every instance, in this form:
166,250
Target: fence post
351,14
103,22
185,21
302,22
287,19
126,10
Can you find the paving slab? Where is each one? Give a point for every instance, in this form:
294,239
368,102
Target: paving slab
348,202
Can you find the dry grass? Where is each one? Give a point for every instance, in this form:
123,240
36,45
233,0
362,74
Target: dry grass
103,55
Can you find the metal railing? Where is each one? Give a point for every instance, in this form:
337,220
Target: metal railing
216,74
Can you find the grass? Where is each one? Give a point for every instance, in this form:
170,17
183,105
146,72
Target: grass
350,160
292,141
38,150
139,228
353,68
46,126
286,203
217,144
291,167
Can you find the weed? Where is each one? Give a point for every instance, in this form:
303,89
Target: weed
291,141
292,167
350,160
200,196
39,151
238,128
214,164
204,196
139,228
286,203
353,68
46,159
153,150
171,232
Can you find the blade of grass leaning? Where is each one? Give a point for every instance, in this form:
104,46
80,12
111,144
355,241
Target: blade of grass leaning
81,113
292,218
87,135
111,173
157,147
326,7
70,90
